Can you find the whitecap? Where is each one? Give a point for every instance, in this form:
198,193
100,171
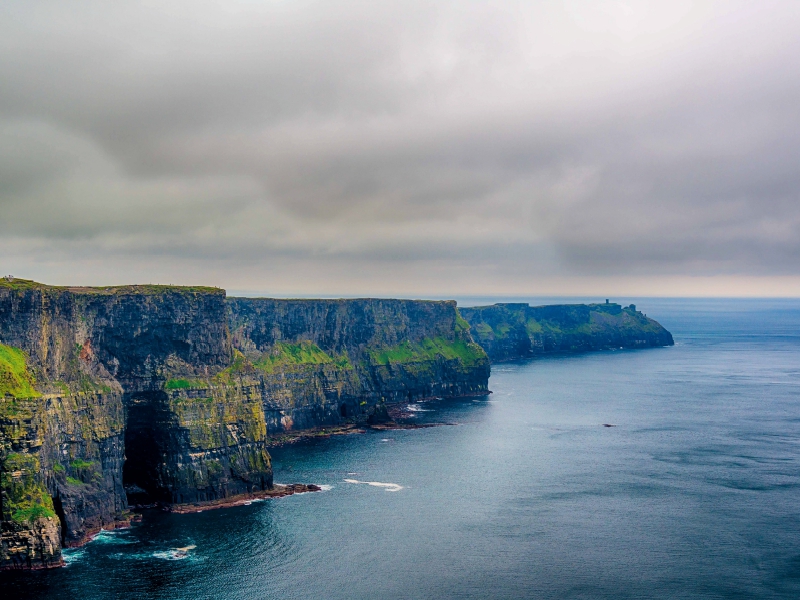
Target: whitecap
413,408
326,488
71,555
174,553
389,487
167,555
113,536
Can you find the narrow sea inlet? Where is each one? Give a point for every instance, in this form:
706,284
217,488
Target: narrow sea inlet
694,493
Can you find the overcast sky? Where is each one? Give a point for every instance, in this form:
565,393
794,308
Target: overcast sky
403,148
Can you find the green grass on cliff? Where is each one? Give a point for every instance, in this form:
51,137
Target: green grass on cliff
462,326
303,353
185,384
427,350
15,378
17,284
25,498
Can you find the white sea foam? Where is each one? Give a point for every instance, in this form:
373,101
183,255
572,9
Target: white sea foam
326,488
389,487
168,555
174,553
71,555
414,408
113,536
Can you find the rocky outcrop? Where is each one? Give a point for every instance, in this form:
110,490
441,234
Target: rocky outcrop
147,394
511,331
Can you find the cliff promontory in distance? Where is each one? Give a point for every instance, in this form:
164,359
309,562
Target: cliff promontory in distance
516,330
117,396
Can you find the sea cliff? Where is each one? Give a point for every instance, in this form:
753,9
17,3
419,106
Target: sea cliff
516,330
168,394
128,395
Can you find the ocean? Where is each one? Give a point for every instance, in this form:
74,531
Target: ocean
694,492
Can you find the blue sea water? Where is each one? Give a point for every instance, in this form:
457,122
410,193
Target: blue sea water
695,493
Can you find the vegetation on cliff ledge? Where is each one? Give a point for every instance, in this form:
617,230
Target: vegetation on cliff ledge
25,498
305,352
429,349
15,378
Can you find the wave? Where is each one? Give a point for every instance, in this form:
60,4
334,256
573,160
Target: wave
174,553
326,488
113,536
389,487
72,555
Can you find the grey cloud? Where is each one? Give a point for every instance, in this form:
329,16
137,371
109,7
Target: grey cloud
378,142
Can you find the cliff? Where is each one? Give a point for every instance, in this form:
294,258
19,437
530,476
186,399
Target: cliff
322,361
511,331
170,394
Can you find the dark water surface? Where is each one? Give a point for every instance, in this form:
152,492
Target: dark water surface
694,494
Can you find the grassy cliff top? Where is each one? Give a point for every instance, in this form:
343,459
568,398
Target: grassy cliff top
147,289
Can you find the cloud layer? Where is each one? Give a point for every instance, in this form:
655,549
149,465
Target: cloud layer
441,147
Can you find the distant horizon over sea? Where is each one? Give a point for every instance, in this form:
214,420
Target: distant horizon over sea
691,491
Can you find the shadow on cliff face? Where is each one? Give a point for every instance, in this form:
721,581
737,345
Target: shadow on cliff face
143,450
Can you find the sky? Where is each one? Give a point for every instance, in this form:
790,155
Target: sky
403,148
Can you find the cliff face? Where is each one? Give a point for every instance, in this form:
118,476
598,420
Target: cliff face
76,366
510,331
322,361
156,393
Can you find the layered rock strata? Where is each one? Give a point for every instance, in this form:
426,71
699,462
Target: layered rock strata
512,331
161,394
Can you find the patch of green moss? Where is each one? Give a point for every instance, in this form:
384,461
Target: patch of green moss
483,329
74,481
79,463
239,366
185,384
62,386
342,361
533,326
284,354
25,498
462,326
15,378
91,386
11,408
429,349
58,468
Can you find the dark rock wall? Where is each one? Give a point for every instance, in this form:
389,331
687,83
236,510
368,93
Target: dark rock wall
338,326
93,355
510,331
368,352
153,393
